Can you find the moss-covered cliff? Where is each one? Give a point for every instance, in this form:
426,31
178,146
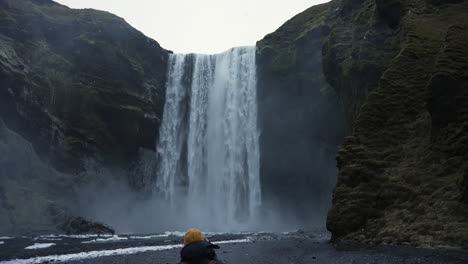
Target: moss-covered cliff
399,69
402,170
79,83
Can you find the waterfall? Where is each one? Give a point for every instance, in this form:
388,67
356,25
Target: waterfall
208,147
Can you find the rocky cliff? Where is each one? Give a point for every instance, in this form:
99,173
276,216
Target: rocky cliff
75,85
399,71
402,170
79,83
300,119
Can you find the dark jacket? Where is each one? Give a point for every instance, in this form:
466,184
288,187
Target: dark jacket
199,252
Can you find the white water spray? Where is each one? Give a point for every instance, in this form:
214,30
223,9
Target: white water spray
209,142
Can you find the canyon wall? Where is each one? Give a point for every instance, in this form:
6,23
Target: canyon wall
76,85
300,119
79,83
399,71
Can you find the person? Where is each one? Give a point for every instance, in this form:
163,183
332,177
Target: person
197,249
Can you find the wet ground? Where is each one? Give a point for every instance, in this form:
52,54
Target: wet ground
244,248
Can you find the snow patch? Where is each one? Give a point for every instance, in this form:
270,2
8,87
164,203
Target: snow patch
113,238
147,237
40,245
173,233
245,240
1,242
165,234
5,237
53,236
104,253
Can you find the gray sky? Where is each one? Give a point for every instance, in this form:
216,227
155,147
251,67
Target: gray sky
201,26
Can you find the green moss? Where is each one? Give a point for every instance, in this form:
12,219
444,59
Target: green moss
407,124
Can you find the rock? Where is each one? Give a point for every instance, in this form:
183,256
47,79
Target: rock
441,2
79,226
68,74
400,173
75,85
297,154
390,11
28,187
398,69
464,186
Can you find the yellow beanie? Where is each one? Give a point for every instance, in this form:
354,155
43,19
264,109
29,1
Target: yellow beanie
193,235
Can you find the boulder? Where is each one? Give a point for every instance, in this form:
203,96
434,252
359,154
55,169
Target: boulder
79,226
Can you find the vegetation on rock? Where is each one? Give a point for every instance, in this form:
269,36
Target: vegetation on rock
399,71
402,167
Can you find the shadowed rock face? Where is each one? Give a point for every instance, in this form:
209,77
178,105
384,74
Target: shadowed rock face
300,119
402,169
396,67
31,196
75,84
79,83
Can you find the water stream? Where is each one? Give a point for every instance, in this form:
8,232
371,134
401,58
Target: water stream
208,149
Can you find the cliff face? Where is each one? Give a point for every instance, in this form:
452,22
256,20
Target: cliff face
399,71
402,171
79,83
75,84
300,118
28,187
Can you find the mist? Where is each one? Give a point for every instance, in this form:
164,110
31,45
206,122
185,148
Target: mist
109,199
127,211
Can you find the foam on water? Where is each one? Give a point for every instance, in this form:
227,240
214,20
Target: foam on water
110,239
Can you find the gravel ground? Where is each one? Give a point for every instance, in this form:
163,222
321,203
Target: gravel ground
291,248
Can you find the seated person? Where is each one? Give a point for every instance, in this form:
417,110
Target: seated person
197,249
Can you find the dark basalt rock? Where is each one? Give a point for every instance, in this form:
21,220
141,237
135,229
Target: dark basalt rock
441,2
74,85
29,188
399,71
390,11
464,186
401,172
299,116
79,226
79,83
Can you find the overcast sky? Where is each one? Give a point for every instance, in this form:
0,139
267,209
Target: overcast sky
201,26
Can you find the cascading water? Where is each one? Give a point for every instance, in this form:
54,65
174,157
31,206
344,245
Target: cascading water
209,143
